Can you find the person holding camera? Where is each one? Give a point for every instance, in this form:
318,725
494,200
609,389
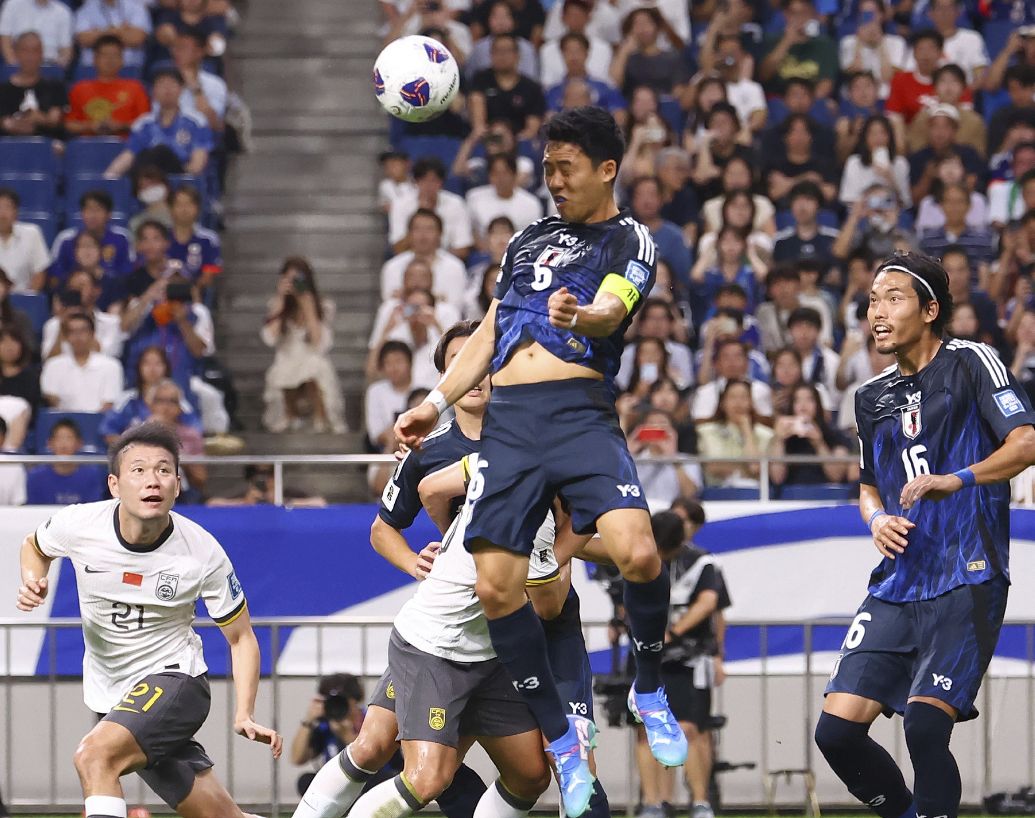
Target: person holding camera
804,430
872,226
330,724
301,380
80,295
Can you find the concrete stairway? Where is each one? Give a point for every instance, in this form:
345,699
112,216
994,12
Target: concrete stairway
308,188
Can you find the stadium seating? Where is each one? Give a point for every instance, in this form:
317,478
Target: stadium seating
35,190
120,190
91,155
29,154
89,424
35,305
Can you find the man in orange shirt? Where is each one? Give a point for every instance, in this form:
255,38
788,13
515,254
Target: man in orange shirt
108,104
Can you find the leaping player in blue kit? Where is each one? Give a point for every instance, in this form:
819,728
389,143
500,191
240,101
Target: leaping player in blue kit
552,339
941,433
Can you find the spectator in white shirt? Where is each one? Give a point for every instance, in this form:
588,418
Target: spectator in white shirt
819,363
82,380
657,320
502,197
23,252
575,17
500,20
605,22
12,476
731,364
429,175
80,295
416,323
204,93
386,398
962,46
1008,201
743,93
395,182
871,50
424,238
417,276
50,19
130,22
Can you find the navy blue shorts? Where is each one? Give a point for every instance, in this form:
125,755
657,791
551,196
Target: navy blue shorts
540,439
569,660
937,647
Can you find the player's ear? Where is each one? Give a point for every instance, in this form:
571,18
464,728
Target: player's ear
931,312
113,485
608,169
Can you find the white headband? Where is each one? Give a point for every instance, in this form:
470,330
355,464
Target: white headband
898,269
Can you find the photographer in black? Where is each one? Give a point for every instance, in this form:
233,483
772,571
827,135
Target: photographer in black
332,721
691,658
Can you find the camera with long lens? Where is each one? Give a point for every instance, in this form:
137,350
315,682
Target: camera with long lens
336,705
614,689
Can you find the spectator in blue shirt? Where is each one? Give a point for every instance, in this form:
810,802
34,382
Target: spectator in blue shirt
167,130
645,203
117,258
977,242
62,484
128,20
575,53
197,248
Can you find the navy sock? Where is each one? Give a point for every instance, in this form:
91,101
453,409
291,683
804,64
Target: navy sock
646,606
936,778
598,805
462,795
520,644
866,768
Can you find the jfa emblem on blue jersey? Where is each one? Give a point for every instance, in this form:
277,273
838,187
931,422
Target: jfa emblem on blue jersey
912,423
1008,403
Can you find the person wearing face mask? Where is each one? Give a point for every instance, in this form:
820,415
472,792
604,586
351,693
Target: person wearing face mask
662,482
658,321
151,187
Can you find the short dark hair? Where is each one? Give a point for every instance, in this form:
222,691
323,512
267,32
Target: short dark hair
3,428
1023,74
667,527
80,315
927,34
461,329
782,272
694,511
506,158
152,224
804,82
577,36
189,191
721,108
11,195
498,38
389,347
731,288
808,190
170,71
65,423
97,196
593,130
652,303
805,315
194,33
429,164
427,213
928,270
107,39
149,433
950,68
500,221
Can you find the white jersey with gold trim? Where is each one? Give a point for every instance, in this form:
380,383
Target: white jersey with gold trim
137,604
445,618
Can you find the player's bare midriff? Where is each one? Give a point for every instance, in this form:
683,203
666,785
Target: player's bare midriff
533,363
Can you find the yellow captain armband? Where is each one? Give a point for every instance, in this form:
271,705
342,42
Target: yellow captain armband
622,287
465,464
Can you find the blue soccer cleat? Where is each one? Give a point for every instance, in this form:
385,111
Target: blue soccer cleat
570,754
664,735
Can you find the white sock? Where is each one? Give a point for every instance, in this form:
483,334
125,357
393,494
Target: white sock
389,799
333,790
106,806
497,802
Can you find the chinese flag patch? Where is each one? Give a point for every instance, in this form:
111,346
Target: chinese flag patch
129,578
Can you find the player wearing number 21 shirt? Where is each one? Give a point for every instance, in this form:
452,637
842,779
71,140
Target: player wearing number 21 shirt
941,433
140,569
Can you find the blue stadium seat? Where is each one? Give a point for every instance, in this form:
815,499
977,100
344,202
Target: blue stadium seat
825,217
48,72
672,112
91,155
27,154
444,148
729,493
89,72
198,182
35,305
817,491
996,33
120,190
35,190
89,424
46,222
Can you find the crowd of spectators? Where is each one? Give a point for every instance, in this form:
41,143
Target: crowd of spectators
113,134
776,151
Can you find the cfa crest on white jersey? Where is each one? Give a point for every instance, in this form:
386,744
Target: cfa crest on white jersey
912,422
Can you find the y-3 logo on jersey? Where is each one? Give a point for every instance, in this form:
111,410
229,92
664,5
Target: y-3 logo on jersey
944,682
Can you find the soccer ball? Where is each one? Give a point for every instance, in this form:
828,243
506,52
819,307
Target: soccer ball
415,78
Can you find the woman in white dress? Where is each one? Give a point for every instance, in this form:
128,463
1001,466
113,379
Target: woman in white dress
301,380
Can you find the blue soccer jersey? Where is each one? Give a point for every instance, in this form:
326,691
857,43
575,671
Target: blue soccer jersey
553,253
400,501
953,413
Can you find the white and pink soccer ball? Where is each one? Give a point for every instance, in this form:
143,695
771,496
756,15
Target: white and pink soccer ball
415,78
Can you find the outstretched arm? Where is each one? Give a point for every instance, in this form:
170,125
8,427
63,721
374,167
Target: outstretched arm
244,659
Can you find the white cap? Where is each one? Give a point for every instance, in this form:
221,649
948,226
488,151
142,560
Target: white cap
943,109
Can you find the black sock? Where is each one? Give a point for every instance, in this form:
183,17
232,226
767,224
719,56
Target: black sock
520,644
936,778
462,795
646,606
866,768
598,805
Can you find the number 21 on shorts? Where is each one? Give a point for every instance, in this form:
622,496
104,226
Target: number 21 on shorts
129,701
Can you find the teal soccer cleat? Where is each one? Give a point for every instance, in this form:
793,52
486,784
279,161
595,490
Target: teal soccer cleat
570,754
664,735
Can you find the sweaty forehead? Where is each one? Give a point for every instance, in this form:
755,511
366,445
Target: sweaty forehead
892,280
563,152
